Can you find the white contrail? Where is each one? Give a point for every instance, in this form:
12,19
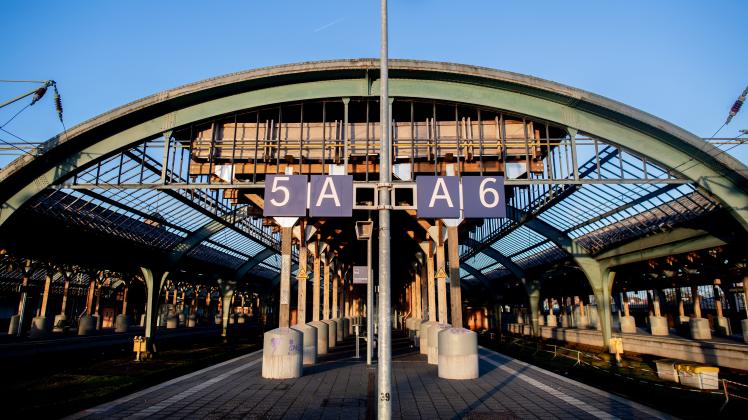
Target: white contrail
323,27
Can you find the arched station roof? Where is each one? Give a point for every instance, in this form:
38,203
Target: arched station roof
718,179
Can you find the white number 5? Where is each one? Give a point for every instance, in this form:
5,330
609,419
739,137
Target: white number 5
282,189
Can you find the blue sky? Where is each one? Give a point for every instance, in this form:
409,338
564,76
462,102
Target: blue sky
684,61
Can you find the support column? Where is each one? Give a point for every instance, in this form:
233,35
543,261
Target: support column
315,285
326,283
61,317
601,279
120,322
722,323
455,292
154,282
441,278
699,326
284,313
301,278
428,248
533,294
657,323
628,323
39,324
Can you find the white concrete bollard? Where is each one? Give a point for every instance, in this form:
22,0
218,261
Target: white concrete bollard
339,328
86,325
700,329
142,320
13,327
241,319
120,323
39,327
628,324
218,320
191,321
593,317
332,334
172,322
59,320
282,354
346,322
658,325
323,336
551,320
309,352
433,341
458,354
722,326
423,339
565,321
182,318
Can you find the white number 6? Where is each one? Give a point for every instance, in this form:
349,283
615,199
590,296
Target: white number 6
485,191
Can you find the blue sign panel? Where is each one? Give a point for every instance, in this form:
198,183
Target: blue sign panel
285,195
438,196
331,196
483,196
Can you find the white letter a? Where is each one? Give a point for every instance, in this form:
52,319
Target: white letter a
444,195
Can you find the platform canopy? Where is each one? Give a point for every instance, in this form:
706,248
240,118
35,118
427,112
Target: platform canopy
176,178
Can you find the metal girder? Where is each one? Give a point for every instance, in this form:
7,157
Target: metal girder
640,133
677,241
254,262
498,257
475,272
203,233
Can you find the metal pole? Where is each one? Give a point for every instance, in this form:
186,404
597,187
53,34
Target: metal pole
384,366
369,304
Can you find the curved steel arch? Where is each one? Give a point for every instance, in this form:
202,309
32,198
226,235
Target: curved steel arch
639,132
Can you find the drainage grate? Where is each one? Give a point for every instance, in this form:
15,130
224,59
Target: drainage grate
343,402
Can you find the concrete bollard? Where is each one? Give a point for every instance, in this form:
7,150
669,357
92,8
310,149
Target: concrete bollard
565,321
458,354
323,335
723,326
282,354
593,317
700,329
86,325
59,321
120,323
417,329
332,334
241,319
191,321
218,320
582,321
423,339
339,328
39,327
433,350
309,351
541,320
551,320
172,322
346,327
744,326
628,324
13,327
142,320
658,325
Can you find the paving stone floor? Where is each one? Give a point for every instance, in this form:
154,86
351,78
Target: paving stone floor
341,387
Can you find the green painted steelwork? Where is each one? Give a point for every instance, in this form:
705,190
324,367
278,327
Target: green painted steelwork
696,162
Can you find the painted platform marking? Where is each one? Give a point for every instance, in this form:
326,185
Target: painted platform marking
556,393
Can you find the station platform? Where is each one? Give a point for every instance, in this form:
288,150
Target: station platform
340,386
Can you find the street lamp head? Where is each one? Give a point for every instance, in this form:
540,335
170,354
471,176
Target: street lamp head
364,229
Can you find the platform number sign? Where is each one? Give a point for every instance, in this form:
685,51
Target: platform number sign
443,196
438,196
285,195
483,196
331,196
